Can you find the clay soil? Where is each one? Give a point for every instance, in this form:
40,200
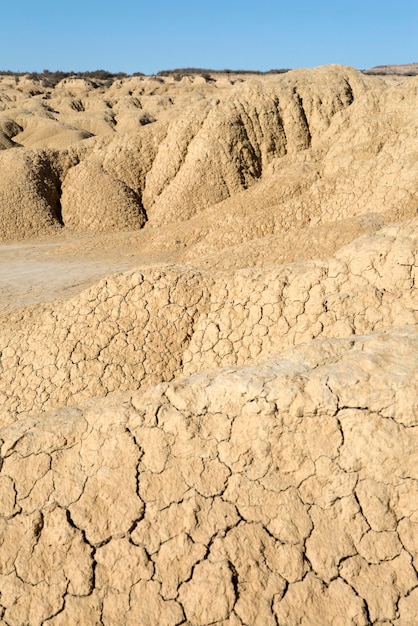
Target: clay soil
208,349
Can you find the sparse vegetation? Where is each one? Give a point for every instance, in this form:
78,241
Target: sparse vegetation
49,78
196,71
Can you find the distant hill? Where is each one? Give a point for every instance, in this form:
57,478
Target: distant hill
409,69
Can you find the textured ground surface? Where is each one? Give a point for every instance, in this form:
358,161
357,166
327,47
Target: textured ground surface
209,350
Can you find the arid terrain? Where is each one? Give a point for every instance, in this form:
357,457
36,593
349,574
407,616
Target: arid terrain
209,349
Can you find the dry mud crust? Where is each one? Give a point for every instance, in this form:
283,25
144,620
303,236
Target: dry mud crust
143,327
282,493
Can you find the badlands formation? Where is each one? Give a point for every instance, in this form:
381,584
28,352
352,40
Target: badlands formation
208,350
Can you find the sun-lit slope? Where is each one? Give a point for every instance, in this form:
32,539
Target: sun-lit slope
203,147
246,159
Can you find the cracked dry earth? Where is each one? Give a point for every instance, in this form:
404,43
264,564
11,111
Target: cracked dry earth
208,351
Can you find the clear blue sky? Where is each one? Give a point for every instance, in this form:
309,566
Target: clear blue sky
153,35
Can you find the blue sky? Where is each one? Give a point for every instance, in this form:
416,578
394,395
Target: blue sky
153,35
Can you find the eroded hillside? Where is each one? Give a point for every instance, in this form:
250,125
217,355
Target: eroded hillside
208,350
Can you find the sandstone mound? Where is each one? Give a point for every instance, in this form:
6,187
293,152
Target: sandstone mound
29,195
216,422
54,135
33,124
94,201
75,86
